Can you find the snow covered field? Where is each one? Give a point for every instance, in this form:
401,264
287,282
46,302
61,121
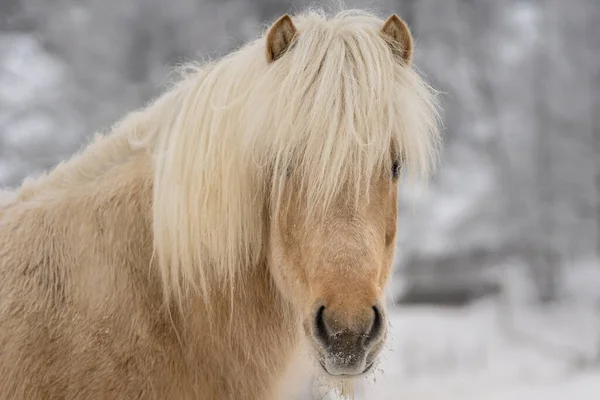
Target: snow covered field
466,354
583,387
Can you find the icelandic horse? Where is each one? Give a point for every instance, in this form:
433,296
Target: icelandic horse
249,210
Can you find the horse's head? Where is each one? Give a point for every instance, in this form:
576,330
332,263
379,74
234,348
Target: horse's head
333,262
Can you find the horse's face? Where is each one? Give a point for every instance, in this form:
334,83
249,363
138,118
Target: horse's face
333,264
333,268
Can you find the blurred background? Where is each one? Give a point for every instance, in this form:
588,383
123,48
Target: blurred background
496,291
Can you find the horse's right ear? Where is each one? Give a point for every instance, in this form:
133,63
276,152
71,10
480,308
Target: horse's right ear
280,37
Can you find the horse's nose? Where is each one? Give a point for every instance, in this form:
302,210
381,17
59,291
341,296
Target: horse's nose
328,327
348,341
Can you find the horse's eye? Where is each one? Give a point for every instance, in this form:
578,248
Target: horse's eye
395,169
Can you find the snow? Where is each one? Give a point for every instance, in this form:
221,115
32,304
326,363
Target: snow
584,387
523,25
28,130
27,70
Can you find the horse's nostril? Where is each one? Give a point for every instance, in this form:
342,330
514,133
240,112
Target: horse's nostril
376,328
321,331
345,336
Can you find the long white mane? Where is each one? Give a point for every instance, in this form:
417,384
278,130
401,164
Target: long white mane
224,137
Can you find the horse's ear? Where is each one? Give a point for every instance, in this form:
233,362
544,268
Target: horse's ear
398,35
280,37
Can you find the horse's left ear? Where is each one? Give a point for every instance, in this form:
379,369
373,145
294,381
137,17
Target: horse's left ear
280,37
398,35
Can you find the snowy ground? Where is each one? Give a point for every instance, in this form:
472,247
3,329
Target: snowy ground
583,387
467,354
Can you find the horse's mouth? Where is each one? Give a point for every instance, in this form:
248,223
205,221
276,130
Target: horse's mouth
366,370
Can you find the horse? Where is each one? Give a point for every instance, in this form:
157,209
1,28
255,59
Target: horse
5,196
246,213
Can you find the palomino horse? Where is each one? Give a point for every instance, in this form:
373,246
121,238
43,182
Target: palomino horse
189,252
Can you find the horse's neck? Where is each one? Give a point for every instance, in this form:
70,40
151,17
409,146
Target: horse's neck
6,198
96,215
249,330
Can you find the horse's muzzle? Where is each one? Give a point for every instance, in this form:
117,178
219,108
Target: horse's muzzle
345,350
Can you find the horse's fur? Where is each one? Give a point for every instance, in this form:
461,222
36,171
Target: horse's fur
6,197
182,255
